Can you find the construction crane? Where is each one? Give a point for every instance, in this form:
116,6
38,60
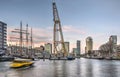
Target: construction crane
58,40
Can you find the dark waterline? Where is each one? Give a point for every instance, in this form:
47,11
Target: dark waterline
76,68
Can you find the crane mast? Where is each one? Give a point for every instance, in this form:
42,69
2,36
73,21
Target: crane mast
58,40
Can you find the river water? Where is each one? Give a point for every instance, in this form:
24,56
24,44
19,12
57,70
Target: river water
76,68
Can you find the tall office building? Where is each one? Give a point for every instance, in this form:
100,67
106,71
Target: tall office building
48,48
67,45
113,39
89,44
78,48
113,43
3,37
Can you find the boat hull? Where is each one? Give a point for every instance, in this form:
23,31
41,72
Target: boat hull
21,63
22,66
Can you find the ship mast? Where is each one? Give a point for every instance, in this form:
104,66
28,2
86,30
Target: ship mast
31,39
21,32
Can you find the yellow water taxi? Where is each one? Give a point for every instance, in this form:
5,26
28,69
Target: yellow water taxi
17,63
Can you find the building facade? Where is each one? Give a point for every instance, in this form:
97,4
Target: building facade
48,48
113,43
74,51
67,46
78,48
118,48
3,37
89,44
113,39
109,48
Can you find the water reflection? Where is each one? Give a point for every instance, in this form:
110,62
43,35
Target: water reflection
77,68
60,69
109,69
88,69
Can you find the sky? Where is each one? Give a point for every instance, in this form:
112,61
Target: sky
98,19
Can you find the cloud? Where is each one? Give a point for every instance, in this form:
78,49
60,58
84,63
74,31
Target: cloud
73,29
10,34
40,35
70,29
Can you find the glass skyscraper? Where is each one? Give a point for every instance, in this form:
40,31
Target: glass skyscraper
78,48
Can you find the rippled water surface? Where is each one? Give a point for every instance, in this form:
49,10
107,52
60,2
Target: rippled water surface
76,68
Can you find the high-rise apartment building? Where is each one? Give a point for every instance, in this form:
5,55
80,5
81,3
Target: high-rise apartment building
113,43
113,39
67,44
3,37
89,44
78,48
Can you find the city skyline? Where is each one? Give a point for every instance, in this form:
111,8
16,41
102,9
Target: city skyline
80,19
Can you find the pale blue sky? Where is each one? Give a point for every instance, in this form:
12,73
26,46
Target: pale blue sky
79,18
